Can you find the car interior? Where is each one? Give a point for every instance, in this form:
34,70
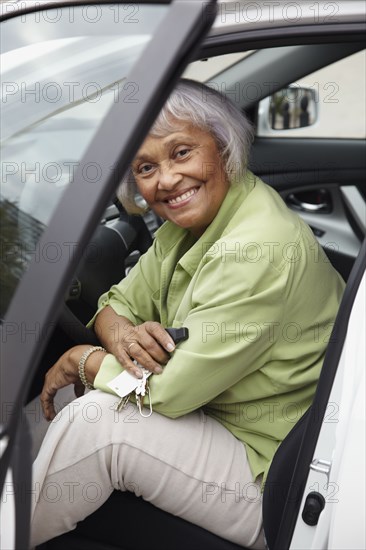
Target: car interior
321,178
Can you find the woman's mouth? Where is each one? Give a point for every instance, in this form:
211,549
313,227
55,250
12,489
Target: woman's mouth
182,199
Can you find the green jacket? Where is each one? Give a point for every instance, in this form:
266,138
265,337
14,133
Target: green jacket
259,298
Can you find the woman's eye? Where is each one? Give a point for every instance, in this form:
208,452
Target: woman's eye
182,153
145,169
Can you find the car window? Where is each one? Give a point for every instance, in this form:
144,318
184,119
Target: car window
340,102
339,89
57,86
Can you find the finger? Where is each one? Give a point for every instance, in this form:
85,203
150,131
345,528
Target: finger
152,348
47,403
157,331
143,357
128,364
55,379
79,389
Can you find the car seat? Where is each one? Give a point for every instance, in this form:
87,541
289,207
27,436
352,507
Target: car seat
127,522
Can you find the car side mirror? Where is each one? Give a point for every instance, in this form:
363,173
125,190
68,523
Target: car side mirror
293,107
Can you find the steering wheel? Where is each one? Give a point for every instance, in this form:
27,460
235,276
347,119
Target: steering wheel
103,265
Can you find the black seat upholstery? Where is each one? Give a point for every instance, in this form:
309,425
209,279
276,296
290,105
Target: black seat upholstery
279,484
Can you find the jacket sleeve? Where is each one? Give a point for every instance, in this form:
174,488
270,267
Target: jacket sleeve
230,336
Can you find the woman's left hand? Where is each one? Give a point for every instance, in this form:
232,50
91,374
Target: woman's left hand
65,372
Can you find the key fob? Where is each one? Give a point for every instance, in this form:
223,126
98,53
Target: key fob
178,334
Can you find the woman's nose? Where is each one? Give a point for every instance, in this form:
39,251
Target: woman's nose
169,176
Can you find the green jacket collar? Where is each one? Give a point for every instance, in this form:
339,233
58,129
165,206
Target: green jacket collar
170,235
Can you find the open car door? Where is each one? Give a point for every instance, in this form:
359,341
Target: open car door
147,46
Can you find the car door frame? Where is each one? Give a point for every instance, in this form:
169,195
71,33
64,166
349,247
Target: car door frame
306,460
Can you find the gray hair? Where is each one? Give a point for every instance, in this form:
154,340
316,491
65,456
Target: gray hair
209,110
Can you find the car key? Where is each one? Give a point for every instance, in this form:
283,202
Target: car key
141,387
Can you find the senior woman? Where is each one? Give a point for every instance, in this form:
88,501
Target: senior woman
247,278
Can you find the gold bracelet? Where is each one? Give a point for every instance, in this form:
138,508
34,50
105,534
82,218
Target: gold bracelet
81,367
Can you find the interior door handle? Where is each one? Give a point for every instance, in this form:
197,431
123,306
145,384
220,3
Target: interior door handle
306,206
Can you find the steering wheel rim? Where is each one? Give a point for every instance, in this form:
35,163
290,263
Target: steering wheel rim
97,273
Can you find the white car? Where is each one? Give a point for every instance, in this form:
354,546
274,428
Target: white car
81,84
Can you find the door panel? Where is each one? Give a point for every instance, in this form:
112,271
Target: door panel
319,170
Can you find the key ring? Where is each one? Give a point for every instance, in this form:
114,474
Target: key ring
139,401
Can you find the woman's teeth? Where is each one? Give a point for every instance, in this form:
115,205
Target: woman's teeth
182,197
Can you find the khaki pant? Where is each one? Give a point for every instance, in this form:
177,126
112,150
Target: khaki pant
191,466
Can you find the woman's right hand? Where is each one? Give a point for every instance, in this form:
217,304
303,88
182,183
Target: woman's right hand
149,343
64,372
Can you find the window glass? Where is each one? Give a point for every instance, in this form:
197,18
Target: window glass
341,101
60,73
339,89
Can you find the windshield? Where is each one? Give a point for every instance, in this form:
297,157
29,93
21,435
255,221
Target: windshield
58,82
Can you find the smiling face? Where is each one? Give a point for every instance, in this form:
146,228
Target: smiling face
181,176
